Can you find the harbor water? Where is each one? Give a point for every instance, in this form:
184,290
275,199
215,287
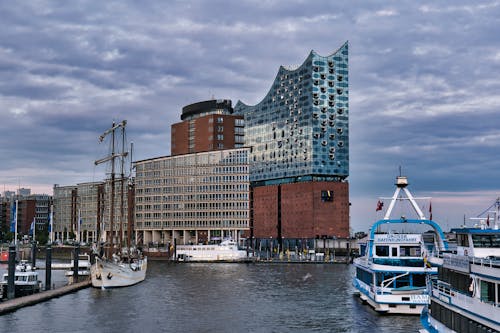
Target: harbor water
198,297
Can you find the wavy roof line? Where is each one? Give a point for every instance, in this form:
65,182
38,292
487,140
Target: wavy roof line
290,70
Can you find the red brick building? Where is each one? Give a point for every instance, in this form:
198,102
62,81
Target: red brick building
301,210
207,126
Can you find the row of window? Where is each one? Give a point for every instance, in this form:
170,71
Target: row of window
243,224
200,196
233,205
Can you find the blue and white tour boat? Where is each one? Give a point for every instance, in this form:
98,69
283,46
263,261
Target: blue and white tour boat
465,295
391,275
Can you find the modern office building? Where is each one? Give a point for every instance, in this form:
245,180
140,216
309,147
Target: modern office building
29,207
206,126
76,210
299,151
192,198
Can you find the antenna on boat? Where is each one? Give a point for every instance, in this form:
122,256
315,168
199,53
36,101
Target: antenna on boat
496,214
401,184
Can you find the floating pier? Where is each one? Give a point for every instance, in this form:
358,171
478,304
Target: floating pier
17,303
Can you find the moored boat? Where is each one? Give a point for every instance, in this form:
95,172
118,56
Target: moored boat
83,267
25,281
465,295
116,269
391,276
118,273
226,251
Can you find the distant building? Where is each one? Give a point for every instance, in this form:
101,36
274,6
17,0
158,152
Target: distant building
299,158
76,209
29,208
207,126
24,192
192,198
8,195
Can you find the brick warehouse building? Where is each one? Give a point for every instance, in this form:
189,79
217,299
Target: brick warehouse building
299,151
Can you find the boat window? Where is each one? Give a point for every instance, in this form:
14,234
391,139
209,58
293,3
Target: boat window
410,251
394,251
382,251
419,280
463,240
487,291
486,241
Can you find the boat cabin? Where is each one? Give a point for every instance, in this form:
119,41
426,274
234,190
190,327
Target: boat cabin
404,248
478,242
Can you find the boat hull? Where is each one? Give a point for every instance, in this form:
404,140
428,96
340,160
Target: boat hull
410,303
106,274
211,253
22,290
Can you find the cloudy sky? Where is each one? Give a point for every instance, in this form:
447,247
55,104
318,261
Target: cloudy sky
424,86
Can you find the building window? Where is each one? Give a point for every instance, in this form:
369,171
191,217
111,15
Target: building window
220,120
326,196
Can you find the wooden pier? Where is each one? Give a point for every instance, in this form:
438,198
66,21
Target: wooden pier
17,303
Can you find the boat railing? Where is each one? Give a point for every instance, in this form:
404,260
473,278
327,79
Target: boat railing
493,262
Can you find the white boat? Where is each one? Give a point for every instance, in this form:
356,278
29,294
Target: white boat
83,267
25,280
391,275
226,251
116,269
115,273
465,295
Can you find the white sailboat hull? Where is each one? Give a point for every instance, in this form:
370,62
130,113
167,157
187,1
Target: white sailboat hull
107,274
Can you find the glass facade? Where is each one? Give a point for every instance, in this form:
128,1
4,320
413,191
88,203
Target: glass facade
299,131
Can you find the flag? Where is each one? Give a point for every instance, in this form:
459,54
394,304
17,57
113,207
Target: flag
380,204
13,217
32,227
488,220
50,222
430,211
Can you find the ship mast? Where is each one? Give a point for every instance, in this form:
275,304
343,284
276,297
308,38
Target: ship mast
112,158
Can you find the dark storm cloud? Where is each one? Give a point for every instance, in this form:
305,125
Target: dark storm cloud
423,81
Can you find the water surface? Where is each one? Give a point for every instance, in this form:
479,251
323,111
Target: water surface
216,298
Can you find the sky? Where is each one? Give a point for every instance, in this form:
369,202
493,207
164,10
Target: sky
424,86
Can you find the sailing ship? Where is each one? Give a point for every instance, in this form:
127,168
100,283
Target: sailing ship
391,276
116,267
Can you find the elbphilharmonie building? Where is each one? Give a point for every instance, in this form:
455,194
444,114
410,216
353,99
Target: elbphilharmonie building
299,150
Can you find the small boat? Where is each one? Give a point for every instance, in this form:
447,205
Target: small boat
391,275
465,295
226,251
83,267
25,282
